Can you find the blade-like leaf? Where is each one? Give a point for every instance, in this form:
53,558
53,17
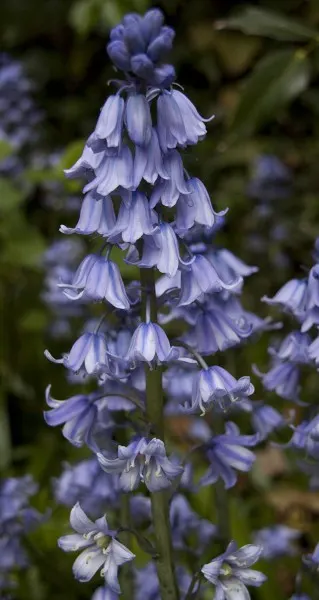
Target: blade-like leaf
276,80
257,21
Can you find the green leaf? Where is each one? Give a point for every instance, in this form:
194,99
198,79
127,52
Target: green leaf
257,21
5,149
276,80
10,196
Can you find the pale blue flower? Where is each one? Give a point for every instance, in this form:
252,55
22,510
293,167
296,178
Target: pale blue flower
195,207
292,296
96,216
78,414
227,454
87,483
104,593
85,166
282,378
312,560
215,388
99,279
277,541
89,352
150,344
100,549
142,460
110,122
160,250
138,119
134,220
198,277
265,419
114,170
169,190
230,572
148,162
178,121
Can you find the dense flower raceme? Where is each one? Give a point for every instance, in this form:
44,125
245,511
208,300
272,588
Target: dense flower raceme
17,518
139,198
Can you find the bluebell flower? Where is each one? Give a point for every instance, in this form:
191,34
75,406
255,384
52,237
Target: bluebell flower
99,279
195,207
104,593
292,297
185,523
178,121
110,122
114,170
14,495
139,45
277,541
313,288
63,252
138,119
282,378
215,388
148,162
178,382
228,266
312,560
142,460
17,519
85,166
100,549
87,483
215,329
19,116
88,353
300,597
96,216
227,452
294,348
306,437
169,190
313,350
198,277
78,414
160,249
310,319
230,572
134,220
150,344
265,419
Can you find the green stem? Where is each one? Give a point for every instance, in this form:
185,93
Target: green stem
155,414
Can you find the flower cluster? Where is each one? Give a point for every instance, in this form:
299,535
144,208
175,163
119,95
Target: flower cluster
295,354
18,113
139,199
17,518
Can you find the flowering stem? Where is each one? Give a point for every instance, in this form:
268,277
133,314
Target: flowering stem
155,413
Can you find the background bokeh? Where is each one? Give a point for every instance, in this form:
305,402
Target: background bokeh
258,72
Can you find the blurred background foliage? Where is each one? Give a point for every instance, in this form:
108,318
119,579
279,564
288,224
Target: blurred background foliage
255,65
